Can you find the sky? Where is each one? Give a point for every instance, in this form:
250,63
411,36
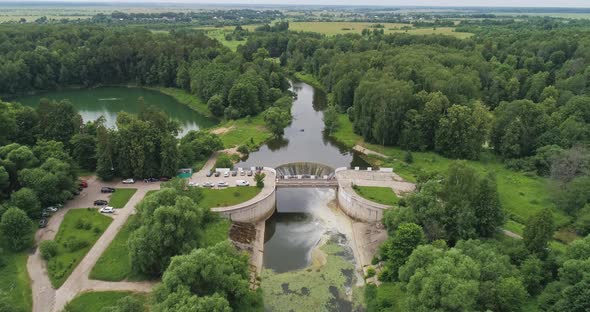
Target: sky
507,3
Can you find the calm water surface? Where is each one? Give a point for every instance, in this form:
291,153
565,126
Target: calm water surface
109,101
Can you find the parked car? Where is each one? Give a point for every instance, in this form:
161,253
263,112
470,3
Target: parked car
226,174
249,173
217,174
106,210
191,183
222,184
51,209
242,183
128,181
45,214
42,223
164,179
106,189
76,192
242,172
208,184
100,202
234,173
209,174
83,184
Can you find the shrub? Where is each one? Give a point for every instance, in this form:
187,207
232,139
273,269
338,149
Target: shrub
243,149
408,157
83,224
74,244
48,249
223,161
371,272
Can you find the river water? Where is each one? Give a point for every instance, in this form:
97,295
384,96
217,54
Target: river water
109,101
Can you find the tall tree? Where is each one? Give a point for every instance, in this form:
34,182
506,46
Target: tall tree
539,231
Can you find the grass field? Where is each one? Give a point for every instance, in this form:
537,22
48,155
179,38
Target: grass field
250,131
120,198
14,279
219,33
382,195
79,225
113,264
188,99
521,195
337,28
96,301
227,197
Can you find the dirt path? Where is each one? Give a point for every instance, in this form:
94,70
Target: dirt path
45,297
511,234
367,151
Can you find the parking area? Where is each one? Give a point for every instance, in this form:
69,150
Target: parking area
200,178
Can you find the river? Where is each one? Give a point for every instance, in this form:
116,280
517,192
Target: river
307,253
109,101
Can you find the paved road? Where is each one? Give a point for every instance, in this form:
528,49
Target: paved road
45,298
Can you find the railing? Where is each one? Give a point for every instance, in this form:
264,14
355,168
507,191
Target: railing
307,183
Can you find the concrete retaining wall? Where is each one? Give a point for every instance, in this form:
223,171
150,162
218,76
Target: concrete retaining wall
359,208
256,209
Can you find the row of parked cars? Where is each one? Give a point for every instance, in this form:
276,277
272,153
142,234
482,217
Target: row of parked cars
233,173
220,184
48,211
146,180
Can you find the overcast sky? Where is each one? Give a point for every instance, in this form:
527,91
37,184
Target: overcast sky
509,3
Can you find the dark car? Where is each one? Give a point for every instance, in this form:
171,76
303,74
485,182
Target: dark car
217,174
83,184
43,223
164,179
150,180
209,174
45,214
106,189
100,202
234,173
76,192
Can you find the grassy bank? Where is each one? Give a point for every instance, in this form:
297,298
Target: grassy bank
522,195
15,284
96,301
320,287
120,198
188,99
309,79
250,131
77,234
381,195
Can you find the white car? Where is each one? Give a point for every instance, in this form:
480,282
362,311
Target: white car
208,184
242,183
222,184
191,183
128,181
51,209
226,174
106,210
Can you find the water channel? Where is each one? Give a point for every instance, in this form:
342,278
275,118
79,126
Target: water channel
308,259
109,101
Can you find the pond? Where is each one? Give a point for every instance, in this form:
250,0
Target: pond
109,101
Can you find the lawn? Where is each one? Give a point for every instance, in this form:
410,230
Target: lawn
338,28
382,195
521,195
228,196
120,197
114,265
216,232
77,234
96,301
249,130
14,280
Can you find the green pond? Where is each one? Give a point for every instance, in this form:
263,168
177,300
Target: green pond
109,101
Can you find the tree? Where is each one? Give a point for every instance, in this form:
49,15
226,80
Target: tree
216,105
276,119
460,188
488,210
223,161
463,131
84,150
396,250
538,231
26,200
259,178
126,304
16,228
58,121
183,301
533,275
220,269
331,121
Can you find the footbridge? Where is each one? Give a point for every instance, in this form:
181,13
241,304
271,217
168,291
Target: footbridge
330,183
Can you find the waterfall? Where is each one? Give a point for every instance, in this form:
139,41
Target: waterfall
304,168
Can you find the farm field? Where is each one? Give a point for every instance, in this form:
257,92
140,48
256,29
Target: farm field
337,28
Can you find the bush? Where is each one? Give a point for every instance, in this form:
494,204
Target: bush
74,243
243,149
371,272
83,224
223,161
48,249
408,157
